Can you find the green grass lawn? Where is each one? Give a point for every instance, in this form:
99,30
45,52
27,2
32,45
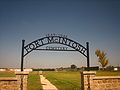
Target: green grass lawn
71,80
64,80
34,81
107,73
7,74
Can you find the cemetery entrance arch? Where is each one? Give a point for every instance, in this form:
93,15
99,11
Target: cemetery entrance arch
54,39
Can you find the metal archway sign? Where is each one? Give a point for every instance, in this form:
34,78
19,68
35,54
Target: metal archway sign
54,39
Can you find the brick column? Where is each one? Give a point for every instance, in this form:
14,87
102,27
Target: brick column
22,79
86,77
8,83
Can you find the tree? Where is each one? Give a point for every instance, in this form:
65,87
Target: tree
109,68
73,66
102,58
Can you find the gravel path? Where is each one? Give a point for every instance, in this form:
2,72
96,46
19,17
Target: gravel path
46,84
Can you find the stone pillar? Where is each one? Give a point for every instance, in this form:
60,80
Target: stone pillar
8,83
22,79
86,77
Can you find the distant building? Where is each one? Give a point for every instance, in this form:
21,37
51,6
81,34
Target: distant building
66,69
115,69
23,69
90,68
2,69
15,69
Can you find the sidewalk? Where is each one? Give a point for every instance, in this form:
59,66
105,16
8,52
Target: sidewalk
46,84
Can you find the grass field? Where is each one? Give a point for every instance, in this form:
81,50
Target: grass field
7,74
107,73
71,80
64,80
34,81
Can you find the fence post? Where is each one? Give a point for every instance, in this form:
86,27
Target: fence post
22,54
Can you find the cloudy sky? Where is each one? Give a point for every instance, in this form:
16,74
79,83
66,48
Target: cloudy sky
93,21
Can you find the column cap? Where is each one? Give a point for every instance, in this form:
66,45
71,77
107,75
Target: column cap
21,72
89,72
